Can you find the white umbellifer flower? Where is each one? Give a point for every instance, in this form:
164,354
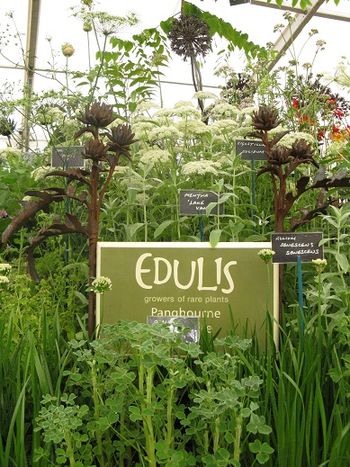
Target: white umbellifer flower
342,75
224,110
266,254
183,104
288,140
5,267
164,132
147,105
248,110
320,264
187,112
101,284
204,95
40,172
200,168
155,156
164,113
9,152
226,125
27,198
186,109
242,132
142,128
4,280
193,127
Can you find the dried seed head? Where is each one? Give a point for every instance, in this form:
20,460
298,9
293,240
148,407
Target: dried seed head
97,115
121,138
279,155
190,37
7,126
265,118
302,150
94,150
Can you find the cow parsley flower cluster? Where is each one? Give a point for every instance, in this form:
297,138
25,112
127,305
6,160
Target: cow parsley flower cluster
101,285
202,167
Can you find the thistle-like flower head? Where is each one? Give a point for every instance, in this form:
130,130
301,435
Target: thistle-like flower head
190,37
94,150
302,150
7,126
98,115
265,118
121,138
279,155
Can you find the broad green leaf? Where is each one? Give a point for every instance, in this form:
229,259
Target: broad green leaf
343,261
160,229
214,237
132,229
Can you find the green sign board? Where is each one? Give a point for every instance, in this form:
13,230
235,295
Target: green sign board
221,288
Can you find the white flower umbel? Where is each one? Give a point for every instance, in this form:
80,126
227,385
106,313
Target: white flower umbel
288,140
101,285
4,280
142,129
40,172
27,198
193,127
155,156
200,168
164,132
319,264
186,110
5,267
226,125
146,105
204,95
224,110
6,153
164,113
266,254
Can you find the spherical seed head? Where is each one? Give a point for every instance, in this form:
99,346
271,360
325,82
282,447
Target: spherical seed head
265,118
67,49
190,37
87,26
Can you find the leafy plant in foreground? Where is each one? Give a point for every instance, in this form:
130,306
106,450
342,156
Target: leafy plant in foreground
155,400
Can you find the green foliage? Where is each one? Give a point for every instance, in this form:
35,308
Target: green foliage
152,395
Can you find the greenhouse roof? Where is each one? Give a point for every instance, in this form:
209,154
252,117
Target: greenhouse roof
33,32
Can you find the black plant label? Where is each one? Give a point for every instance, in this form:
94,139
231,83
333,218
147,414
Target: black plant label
250,149
195,202
288,246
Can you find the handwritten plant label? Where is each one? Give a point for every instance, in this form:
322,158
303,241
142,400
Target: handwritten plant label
288,246
195,202
156,281
250,149
67,157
